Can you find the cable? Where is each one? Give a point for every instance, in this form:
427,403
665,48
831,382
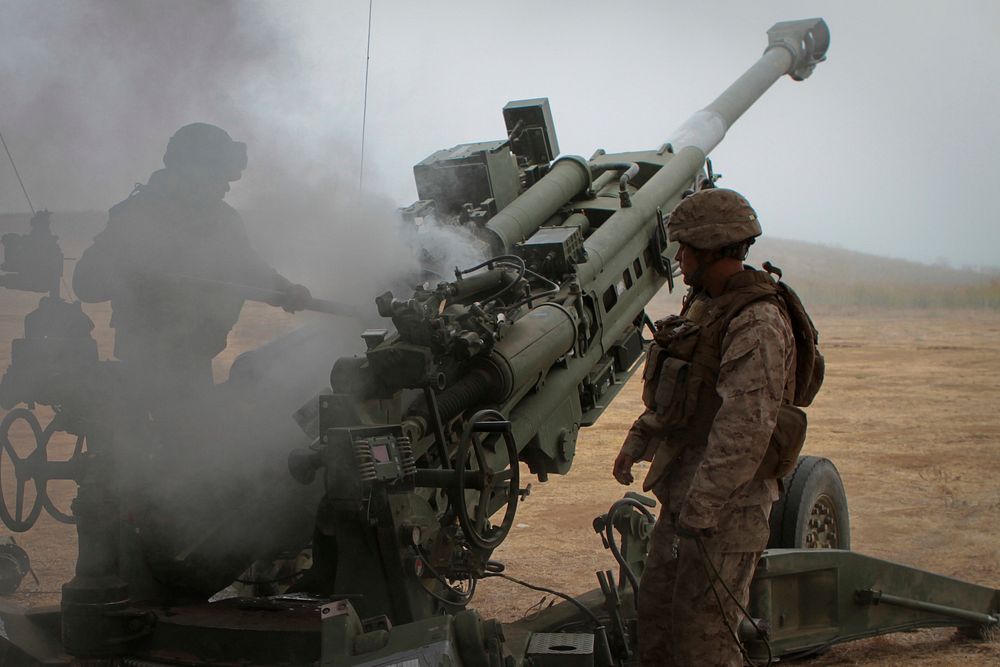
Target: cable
499,260
452,603
554,284
16,173
364,112
613,545
62,279
713,576
464,597
542,589
554,289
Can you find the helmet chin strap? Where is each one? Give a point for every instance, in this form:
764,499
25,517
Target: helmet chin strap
696,279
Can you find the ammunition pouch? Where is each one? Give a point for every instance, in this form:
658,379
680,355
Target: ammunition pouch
786,443
670,387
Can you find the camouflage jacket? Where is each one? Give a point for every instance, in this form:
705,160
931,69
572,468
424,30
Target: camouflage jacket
155,234
706,456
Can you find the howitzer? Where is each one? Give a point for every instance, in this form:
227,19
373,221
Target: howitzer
418,442
420,438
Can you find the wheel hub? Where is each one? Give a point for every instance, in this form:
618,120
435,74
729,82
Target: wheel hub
821,529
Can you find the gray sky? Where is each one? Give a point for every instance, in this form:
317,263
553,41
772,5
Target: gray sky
889,148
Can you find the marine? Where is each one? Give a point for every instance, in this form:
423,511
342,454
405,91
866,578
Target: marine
174,228
716,380
171,261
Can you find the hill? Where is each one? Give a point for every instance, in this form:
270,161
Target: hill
817,263
823,275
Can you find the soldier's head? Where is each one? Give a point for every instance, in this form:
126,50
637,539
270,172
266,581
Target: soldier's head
715,229
204,157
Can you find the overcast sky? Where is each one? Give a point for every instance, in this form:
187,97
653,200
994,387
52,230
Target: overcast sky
890,148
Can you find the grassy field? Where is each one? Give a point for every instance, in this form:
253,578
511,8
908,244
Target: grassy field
909,415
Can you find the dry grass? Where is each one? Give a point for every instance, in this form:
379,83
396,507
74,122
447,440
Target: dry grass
881,295
909,414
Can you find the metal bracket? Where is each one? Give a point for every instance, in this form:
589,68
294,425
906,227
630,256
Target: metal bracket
662,263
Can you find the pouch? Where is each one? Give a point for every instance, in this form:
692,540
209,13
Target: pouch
651,373
671,395
786,443
667,379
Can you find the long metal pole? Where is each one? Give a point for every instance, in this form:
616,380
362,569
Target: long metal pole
16,173
875,597
364,112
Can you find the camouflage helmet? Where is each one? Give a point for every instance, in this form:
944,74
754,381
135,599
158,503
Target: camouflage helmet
207,149
713,218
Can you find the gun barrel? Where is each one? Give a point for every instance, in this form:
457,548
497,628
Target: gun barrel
794,48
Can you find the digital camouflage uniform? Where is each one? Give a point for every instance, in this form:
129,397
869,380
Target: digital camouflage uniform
704,471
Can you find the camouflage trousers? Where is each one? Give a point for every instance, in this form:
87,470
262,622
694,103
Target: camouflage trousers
686,617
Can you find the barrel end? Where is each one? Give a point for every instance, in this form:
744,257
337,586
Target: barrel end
807,40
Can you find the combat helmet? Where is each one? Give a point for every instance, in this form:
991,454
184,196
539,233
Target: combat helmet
207,149
713,218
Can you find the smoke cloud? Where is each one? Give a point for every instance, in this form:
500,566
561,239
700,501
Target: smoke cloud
97,88
95,91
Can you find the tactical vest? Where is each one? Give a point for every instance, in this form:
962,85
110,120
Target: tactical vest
682,370
171,323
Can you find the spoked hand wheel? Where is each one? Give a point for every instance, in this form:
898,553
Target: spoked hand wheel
497,485
23,469
35,468
50,507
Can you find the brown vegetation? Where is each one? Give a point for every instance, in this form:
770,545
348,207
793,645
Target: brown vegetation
909,415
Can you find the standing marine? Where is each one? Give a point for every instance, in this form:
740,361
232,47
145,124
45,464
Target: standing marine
171,230
172,261
720,429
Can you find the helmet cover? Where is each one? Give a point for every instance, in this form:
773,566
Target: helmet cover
713,218
207,149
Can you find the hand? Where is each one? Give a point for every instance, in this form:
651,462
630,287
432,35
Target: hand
622,470
295,297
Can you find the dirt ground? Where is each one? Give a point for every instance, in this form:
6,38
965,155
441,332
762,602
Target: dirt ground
910,413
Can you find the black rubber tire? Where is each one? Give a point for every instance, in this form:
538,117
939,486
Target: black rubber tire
813,492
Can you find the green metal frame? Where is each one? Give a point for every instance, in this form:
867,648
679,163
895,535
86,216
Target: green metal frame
813,598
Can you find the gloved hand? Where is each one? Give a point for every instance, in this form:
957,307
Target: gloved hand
295,297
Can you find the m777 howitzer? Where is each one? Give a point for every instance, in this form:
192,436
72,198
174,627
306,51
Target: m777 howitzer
418,443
